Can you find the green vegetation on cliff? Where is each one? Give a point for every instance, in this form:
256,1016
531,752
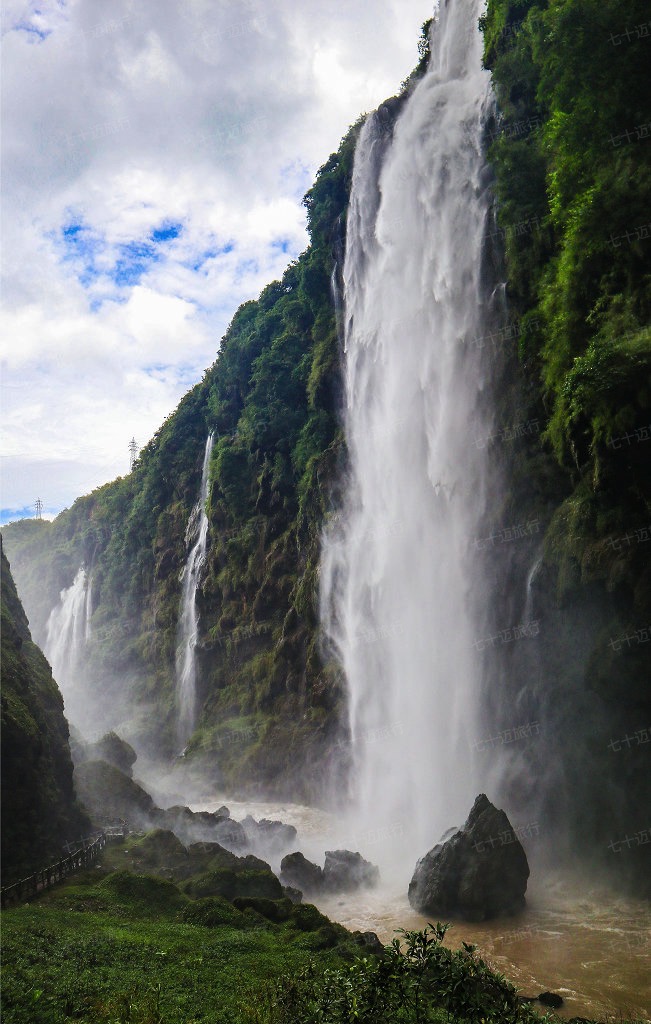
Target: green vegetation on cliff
571,157
39,809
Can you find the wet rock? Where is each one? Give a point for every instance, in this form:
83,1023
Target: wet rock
295,895
114,750
297,871
369,942
345,871
270,836
550,999
107,793
230,834
202,826
478,873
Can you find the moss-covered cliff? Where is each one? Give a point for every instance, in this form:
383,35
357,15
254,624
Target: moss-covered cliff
569,546
39,809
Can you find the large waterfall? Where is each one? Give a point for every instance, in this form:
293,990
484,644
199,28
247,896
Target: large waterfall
186,674
397,565
67,633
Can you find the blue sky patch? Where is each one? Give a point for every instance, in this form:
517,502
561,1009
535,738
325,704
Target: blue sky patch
34,34
81,246
281,243
131,260
134,260
210,254
167,231
10,515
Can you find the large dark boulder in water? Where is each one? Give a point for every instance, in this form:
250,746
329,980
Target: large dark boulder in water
479,873
298,872
345,871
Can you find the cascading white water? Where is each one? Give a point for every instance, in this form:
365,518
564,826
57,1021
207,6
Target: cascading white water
67,632
397,571
89,608
196,534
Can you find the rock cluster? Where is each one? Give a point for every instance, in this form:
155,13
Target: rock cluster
343,871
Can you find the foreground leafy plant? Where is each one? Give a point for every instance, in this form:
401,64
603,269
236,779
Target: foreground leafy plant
418,983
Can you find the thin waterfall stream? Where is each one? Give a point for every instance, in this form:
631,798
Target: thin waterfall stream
186,672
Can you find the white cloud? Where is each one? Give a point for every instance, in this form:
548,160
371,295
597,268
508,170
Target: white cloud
204,118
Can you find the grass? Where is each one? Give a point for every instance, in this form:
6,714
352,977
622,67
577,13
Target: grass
102,953
116,947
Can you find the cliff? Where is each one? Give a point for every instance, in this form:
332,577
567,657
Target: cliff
39,809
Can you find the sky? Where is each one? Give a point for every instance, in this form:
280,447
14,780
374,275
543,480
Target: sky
154,158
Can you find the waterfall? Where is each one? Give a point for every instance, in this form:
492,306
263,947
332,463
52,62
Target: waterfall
67,632
196,535
397,583
88,611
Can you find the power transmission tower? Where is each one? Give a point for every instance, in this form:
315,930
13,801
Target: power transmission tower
133,452
38,505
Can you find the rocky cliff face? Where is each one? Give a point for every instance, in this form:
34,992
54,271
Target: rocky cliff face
39,808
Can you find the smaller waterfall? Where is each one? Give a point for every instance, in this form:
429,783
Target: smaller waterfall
68,630
89,608
196,535
532,575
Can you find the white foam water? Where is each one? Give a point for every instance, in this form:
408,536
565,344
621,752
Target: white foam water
186,672
397,571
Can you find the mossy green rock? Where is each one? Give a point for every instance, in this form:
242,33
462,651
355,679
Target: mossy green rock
230,884
212,912
274,910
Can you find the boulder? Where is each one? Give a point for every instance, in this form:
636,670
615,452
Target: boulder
295,895
158,853
202,826
478,873
551,999
114,750
272,837
232,882
298,872
369,943
107,793
345,871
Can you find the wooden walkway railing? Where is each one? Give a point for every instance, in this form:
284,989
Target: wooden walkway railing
81,858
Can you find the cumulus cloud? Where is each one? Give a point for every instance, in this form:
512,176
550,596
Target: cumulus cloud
155,154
